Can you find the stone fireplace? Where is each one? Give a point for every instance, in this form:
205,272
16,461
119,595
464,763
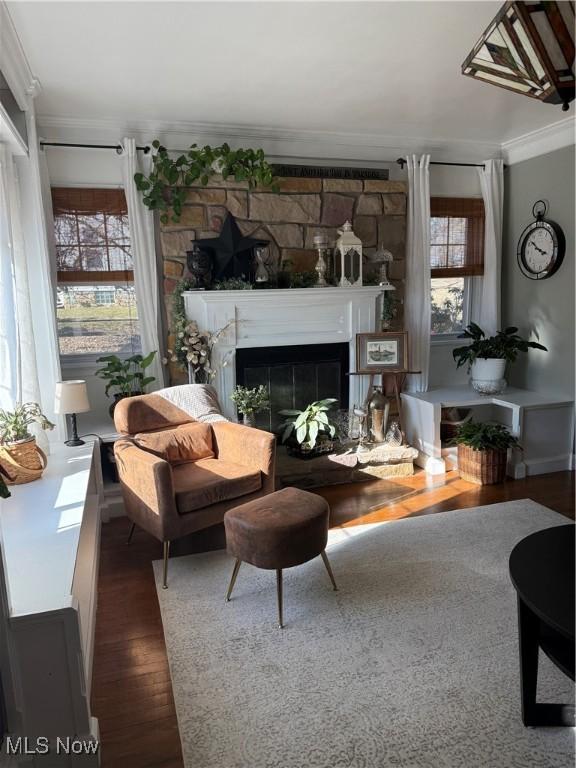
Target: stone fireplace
289,219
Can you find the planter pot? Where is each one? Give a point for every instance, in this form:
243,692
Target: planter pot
487,376
322,447
22,461
117,399
248,420
482,467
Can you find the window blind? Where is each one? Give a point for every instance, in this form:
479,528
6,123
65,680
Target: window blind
456,236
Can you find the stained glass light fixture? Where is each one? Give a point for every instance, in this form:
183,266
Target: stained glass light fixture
528,48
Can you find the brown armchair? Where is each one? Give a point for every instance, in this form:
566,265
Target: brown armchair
170,496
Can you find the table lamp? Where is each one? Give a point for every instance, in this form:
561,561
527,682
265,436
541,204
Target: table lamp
71,398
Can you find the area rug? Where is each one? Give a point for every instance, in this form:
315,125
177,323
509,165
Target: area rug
413,663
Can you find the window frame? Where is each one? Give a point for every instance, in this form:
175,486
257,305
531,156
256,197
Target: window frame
78,201
472,209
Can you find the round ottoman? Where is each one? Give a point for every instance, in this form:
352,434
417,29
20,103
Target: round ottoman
277,531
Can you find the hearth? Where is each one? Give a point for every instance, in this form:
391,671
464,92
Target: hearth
294,376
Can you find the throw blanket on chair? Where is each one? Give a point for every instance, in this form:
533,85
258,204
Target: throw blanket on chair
199,401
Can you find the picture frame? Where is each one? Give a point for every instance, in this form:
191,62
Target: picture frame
381,352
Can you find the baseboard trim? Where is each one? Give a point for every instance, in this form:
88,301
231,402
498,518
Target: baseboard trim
563,463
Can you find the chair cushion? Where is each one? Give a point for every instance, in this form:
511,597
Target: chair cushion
189,442
210,481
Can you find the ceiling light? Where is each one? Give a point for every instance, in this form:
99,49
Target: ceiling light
528,48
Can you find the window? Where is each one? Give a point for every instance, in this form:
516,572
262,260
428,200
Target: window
96,305
456,256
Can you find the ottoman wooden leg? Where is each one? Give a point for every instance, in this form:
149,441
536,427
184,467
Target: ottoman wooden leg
237,565
279,591
324,557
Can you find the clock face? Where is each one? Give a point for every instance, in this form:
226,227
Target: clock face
540,249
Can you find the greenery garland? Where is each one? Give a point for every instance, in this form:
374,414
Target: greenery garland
164,189
179,321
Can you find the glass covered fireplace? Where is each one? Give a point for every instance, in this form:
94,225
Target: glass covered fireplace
294,376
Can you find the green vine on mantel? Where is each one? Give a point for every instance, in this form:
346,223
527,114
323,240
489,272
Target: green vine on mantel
164,189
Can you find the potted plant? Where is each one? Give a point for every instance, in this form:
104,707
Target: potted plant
125,378
309,433
487,356
21,459
250,402
483,452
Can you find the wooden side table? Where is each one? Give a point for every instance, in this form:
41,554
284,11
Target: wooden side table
542,572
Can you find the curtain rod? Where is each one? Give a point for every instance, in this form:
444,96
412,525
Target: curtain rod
117,147
401,161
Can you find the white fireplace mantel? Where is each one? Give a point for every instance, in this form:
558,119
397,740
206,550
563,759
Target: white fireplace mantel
283,317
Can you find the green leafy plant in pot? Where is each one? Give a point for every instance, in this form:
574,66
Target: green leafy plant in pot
309,433
249,402
21,460
483,452
487,357
125,378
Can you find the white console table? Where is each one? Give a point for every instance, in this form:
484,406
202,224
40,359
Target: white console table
543,424
50,541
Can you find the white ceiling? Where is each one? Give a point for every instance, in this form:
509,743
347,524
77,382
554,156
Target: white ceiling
379,68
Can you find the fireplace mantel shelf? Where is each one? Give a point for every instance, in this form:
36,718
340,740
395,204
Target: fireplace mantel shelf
290,293
282,317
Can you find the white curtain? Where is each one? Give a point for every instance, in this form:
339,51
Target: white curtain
146,281
492,184
19,381
417,296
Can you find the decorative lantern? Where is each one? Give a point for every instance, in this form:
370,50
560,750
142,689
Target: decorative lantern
348,257
528,48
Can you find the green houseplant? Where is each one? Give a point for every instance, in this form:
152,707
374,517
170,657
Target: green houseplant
164,189
309,432
487,356
483,451
125,378
250,402
21,459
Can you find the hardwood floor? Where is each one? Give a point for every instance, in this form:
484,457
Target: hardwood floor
132,693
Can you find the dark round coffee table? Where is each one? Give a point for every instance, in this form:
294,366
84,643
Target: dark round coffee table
542,572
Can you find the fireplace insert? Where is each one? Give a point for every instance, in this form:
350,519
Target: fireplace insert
294,376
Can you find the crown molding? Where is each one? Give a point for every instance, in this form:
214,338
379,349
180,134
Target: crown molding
13,62
279,144
540,142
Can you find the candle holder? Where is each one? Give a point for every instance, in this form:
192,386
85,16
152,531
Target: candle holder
321,245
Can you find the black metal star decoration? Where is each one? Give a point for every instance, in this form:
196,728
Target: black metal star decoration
231,251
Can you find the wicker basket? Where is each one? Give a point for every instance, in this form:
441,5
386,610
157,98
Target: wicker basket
482,467
22,461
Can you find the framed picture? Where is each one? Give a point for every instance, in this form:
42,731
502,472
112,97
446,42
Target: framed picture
377,352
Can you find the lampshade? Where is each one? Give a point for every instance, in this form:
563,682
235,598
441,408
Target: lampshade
528,48
71,397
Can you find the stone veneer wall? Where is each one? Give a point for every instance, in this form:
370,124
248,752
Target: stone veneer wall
289,219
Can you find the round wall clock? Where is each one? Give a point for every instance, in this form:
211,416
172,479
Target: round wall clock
541,246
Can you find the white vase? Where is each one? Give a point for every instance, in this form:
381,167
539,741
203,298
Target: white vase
487,376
